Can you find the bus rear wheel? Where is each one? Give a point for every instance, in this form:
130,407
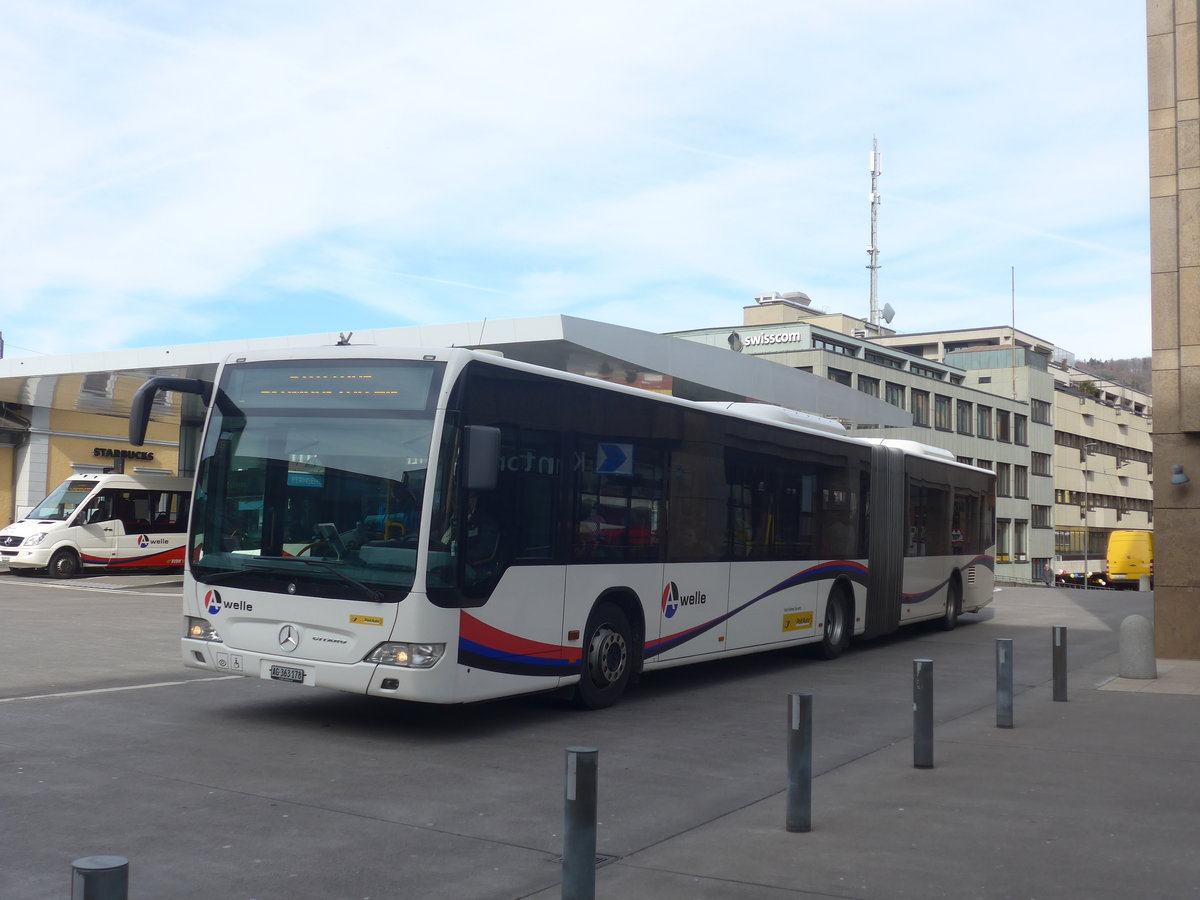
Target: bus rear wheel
607,661
63,564
836,635
953,605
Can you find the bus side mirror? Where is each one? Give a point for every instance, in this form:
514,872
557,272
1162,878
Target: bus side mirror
482,454
139,407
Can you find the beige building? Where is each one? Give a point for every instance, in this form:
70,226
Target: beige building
1101,463
56,426
1174,106
1104,464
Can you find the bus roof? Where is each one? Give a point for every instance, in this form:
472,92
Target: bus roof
767,413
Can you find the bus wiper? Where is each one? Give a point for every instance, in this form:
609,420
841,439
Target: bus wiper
325,566
218,577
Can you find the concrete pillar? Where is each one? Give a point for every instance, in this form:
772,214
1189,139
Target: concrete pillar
1137,648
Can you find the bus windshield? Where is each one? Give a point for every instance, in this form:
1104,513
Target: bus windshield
312,475
63,501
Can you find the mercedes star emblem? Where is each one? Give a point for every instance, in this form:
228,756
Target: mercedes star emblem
289,637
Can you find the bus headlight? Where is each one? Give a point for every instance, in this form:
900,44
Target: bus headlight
34,539
199,629
408,656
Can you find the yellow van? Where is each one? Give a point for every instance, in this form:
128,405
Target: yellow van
1130,556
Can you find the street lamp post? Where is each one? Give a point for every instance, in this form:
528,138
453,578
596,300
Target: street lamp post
1087,504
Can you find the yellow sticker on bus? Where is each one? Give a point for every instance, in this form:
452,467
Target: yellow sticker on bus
797,621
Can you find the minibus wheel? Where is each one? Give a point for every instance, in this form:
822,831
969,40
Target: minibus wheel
63,564
607,657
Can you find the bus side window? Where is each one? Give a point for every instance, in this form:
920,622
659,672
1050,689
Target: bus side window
132,508
99,509
618,500
123,510
165,512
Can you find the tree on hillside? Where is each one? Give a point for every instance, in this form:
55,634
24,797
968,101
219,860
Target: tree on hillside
1134,372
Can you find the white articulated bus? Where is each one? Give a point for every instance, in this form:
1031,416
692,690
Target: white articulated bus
450,526
117,522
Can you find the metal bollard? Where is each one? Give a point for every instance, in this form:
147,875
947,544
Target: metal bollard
100,878
799,762
1060,663
923,713
579,825
1004,683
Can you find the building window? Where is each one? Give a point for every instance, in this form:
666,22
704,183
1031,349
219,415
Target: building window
1021,481
1002,540
96,383
927,373
834,347
941,413
1040,410
1003,480
894,394
1020,528
1020,429
984,463
1002,432
920,408
964,417
1041,463
889,361
869,386
983,421
839,376
965,460
1041,517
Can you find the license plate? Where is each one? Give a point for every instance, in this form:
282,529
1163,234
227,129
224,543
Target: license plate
287,673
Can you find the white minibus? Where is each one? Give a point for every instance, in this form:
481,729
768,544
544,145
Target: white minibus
122,522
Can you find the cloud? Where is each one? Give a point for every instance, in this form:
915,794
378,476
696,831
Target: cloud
192,172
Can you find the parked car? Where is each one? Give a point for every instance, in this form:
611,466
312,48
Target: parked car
1076,579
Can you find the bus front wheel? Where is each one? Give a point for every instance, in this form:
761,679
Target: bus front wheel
607,662
836,635
63,564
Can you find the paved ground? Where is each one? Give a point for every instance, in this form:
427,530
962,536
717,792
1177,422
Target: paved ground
235,788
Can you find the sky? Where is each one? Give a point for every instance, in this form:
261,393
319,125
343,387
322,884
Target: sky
176,172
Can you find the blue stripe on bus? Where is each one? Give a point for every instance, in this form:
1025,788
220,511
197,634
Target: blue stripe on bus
491,660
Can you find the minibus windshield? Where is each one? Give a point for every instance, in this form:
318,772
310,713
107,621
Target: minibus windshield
63,501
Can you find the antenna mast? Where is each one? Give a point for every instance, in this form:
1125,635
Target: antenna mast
873,250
